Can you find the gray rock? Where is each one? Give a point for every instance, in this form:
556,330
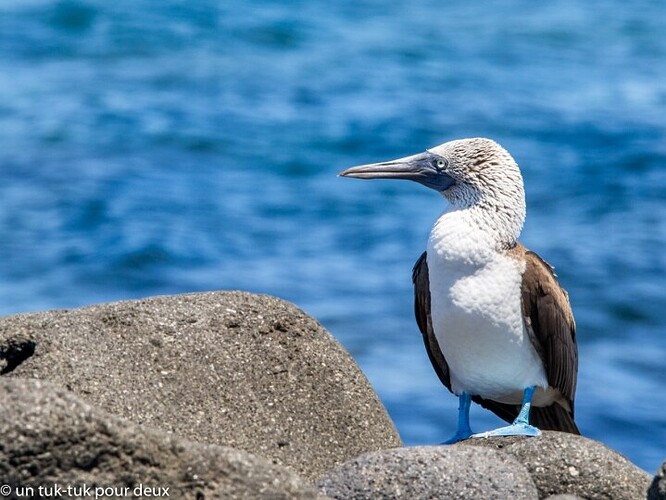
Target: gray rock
52,439
230,368
429,472
562,463
564,497
657,489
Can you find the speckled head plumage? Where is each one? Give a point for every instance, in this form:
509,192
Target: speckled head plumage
483,172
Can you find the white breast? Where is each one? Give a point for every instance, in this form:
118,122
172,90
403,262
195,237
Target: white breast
476,313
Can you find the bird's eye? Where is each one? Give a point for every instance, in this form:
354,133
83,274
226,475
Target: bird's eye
441,164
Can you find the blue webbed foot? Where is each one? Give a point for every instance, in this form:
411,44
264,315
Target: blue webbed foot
515,429
459,436
520,426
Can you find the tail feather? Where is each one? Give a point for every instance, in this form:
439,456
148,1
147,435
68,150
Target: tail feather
553,418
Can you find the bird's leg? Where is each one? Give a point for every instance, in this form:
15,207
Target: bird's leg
464,431
521,425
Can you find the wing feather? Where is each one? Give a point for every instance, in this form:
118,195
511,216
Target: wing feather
550,324
421,280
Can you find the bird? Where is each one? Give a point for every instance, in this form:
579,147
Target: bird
497,326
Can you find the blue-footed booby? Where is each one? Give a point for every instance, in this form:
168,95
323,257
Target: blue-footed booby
497,326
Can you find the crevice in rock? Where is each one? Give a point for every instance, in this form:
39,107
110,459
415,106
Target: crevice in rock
14,353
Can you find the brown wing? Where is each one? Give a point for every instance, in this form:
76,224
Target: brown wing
421,282
551,326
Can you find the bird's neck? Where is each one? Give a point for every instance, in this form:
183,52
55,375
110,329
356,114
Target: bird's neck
474,234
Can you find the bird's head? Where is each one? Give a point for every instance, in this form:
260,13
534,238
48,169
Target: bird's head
465,171
471,173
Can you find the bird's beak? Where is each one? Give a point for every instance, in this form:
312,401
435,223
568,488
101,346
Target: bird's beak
424,168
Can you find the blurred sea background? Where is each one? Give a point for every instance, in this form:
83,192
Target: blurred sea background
176,146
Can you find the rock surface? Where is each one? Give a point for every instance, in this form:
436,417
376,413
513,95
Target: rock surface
247,371
52,439
657,489
562,463
430,472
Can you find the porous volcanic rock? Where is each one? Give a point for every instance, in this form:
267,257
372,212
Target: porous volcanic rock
430,472
657,489
53,440
248,371
563,463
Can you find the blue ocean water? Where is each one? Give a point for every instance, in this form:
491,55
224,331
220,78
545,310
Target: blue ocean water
167,147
